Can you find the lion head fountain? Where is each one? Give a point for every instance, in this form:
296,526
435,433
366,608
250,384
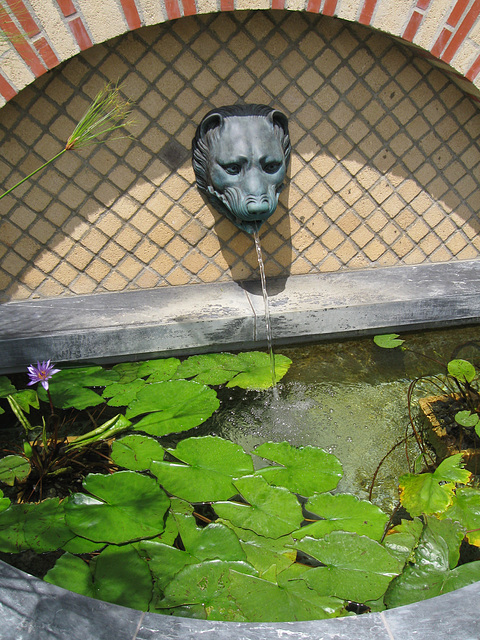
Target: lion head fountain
240,158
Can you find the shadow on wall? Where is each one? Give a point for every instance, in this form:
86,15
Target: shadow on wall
384,169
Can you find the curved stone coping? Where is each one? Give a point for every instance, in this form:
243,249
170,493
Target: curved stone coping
31,609
222,316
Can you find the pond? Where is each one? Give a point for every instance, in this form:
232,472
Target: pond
350,398
200,522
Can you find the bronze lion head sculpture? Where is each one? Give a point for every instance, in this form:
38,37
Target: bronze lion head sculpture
240,158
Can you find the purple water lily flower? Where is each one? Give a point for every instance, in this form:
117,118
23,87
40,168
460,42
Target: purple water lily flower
41,373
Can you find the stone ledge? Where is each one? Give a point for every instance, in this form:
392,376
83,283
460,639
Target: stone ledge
222,316
33,609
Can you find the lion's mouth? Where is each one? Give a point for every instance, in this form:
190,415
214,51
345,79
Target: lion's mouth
246,212
249,207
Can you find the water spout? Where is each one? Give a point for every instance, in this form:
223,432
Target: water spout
240,159
268,324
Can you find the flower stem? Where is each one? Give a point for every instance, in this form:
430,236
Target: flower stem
33,173
51,403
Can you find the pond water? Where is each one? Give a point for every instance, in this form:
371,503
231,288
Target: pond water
350,398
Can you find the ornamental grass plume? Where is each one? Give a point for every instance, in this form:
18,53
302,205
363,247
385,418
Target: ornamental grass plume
108,112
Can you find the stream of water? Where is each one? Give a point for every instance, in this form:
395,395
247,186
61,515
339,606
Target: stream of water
268,324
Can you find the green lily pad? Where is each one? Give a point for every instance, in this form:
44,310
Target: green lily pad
71,387
206,469
156,370
121,394
266,553
210,542
40,527
118,575
136,452
159,370
174,406
126,372
114,511
122,576
27,398
466,418
164,561
356,567
72,573
463,370
6,387
262,601
271,511
257,370
424,494
250,370
429,493
432,572
402,540
204,588
210,368
13,468
4,502
343,512
306,470
452,470
45,527
465,509
388,341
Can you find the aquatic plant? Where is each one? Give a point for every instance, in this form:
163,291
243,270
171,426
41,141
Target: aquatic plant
45,454
158,397
194,530
205,529
108,113
459,380
41,373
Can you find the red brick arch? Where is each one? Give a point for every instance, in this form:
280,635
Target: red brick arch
38,54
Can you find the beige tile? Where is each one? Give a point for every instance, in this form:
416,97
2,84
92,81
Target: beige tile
384,166
83,285
114,282
79,258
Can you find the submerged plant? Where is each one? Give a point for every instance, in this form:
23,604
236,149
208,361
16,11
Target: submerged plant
108,113
459,382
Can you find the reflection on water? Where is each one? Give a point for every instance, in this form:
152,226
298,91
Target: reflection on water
350,398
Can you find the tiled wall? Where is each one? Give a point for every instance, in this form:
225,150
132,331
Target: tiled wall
385,164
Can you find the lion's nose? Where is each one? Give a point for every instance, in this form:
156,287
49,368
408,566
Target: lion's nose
256,207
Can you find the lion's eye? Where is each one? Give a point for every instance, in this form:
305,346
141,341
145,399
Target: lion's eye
232,169
272,167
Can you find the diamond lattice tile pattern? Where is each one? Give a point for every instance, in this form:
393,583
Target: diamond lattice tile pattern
384,169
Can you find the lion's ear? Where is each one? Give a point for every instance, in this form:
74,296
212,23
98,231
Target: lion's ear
279,118
212,121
